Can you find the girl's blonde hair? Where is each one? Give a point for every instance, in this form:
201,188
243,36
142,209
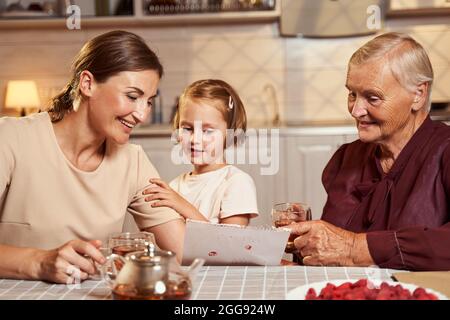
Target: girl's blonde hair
218,94
407,59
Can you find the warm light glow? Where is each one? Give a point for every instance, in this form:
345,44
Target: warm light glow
22,94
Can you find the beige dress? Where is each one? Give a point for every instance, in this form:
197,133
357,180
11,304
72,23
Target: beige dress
45,201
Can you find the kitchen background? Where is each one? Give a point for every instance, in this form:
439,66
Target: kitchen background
300,78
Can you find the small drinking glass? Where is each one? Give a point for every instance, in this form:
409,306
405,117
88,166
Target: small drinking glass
126,242
283,214
105,252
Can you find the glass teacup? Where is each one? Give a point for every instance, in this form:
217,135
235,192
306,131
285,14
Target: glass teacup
105,252
283,214
125,242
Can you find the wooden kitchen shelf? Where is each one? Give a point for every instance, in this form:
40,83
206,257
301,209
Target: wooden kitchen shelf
142,19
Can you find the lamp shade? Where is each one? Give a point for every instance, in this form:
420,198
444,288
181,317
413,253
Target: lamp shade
22,94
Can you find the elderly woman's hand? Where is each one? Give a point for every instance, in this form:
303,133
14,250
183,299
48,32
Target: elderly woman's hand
68,263
321,243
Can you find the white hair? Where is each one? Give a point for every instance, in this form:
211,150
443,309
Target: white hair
407,59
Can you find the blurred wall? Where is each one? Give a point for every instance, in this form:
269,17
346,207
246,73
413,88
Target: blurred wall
308,75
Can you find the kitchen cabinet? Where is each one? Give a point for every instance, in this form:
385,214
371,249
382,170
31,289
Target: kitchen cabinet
306,157
142,17
269,174
399,8
159,152
302,158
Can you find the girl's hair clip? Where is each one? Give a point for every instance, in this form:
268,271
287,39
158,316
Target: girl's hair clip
230,103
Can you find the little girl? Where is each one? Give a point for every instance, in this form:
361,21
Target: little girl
214,191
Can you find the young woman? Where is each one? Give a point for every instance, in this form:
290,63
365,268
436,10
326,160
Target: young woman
68,176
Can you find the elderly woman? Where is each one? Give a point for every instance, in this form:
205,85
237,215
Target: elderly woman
388,192
69,175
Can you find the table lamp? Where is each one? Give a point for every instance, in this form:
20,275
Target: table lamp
22,94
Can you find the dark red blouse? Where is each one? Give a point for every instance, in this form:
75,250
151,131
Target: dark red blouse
405,212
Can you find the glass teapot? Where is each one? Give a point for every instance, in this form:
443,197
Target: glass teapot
149,275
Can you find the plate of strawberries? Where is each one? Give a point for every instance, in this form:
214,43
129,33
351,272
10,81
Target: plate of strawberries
363,289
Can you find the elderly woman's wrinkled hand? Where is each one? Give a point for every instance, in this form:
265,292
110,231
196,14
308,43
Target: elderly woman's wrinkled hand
323,244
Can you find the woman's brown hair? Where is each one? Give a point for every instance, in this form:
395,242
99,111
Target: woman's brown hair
104,56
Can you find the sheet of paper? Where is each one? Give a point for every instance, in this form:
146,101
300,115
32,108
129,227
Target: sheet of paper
222,244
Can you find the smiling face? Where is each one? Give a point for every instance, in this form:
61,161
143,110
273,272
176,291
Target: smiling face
382,107
122,102
202,132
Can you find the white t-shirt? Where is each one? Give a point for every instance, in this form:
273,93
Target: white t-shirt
219,194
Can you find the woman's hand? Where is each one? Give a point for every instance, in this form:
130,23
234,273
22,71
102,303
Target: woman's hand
321,243
60,265
170,198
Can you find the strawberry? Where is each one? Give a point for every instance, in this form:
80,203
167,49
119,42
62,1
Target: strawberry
419,292
311,294
365,290
344,286
360,283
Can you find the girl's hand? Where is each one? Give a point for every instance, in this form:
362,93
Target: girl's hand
70,262
170,198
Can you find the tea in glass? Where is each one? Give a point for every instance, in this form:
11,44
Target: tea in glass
151,275
173,291
284,214
126,242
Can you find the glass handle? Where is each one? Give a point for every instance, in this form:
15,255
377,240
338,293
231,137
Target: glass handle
195,267
109,270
